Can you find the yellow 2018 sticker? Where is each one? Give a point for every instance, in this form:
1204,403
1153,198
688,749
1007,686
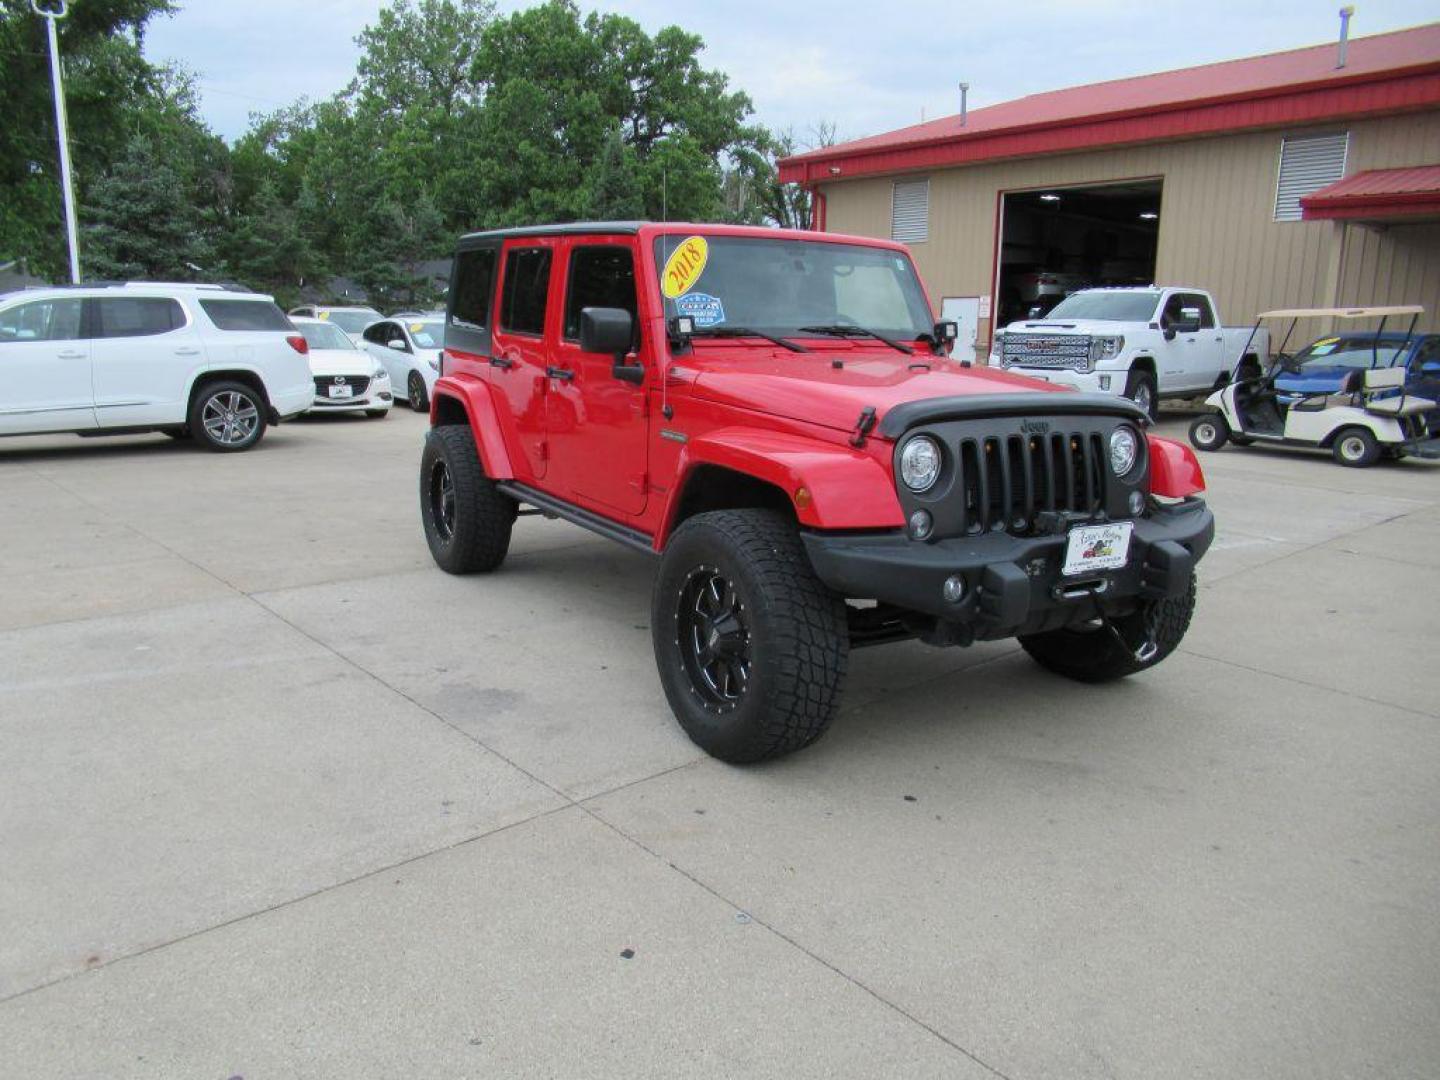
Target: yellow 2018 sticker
684,266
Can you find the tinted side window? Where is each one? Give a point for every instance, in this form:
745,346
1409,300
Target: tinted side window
376,334
42,320
473,288
599,277
527,286
136,316
246,315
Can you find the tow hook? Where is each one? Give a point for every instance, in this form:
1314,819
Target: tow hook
1147,649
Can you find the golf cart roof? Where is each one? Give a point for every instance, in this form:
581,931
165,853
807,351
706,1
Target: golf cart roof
1343,312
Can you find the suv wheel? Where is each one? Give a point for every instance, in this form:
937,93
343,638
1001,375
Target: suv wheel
750,645
1140,388
1090,652
415,392
227,416
467,518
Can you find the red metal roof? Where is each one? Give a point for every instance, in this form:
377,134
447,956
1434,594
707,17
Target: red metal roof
1384,73
1378,193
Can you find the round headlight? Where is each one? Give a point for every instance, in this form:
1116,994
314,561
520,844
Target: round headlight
920,463
1124,450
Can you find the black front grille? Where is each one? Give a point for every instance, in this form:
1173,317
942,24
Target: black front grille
1004,481
358,384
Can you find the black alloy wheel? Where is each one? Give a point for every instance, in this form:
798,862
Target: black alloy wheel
442,500
714,638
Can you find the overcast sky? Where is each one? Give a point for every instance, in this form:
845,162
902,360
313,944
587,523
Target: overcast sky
867,67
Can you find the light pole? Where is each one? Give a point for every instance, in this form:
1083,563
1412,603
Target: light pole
52,11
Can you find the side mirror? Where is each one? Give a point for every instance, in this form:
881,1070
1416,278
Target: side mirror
611,330
397,344
1168,333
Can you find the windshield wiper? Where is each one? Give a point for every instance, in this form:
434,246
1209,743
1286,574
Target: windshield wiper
746,331
845,330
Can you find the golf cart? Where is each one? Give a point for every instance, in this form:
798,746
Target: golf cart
1368,414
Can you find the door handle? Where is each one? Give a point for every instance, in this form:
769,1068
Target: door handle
502,363
563,374
187,352
71,355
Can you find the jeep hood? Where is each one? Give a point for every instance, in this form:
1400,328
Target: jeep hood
806,386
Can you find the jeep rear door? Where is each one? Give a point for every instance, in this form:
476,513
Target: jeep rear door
595,422
518,351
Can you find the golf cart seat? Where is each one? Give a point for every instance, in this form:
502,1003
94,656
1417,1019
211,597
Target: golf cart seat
1387,381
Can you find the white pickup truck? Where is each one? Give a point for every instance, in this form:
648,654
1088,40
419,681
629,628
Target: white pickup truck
1146,343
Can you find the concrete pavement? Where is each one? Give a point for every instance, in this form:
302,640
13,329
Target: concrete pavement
281,799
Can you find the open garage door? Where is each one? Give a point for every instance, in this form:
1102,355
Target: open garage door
1056,240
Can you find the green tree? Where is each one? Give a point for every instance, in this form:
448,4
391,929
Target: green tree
140,223
615,193
107,83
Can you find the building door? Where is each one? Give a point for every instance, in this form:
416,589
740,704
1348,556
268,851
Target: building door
964,312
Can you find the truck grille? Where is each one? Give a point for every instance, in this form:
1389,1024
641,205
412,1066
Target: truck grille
1004,481
1047,350
358,384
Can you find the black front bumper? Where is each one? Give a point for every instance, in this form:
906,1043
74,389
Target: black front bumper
1013,584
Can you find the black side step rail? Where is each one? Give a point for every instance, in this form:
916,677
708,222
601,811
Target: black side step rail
551,506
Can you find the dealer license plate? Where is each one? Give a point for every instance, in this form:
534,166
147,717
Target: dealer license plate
341,391
1097,547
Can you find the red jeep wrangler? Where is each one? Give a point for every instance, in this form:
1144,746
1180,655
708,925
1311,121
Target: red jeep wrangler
776,416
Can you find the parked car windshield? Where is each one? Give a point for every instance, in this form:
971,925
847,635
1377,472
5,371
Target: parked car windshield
1348,353
352,322
781,285
428,333
1107,306
325,336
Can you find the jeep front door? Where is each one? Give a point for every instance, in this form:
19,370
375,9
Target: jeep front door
596,422
44,368
519,356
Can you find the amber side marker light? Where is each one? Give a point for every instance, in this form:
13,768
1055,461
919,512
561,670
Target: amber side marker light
803,499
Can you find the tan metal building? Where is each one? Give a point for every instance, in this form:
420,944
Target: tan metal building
1276,181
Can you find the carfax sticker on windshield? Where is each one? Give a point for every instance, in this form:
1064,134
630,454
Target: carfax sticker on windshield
684,267
705,309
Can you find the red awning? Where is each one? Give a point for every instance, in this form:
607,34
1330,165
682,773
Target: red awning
1378,194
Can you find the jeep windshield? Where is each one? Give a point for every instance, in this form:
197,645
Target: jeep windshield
1107,306
791,288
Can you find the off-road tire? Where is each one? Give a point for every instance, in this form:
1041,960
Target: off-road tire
476,536
1209,431
797,641
1355,447
218,393
1133,383
415,395
1091,654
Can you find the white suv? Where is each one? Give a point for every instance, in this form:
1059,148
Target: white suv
208,361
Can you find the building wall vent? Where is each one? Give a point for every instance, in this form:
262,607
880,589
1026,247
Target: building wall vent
910,211
1307,164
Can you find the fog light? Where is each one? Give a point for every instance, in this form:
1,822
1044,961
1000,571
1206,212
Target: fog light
1104,382
920,524
1137,503
954,589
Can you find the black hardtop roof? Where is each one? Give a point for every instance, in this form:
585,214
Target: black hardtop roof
564,228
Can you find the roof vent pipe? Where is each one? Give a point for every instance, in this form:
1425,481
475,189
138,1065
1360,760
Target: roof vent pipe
964,91
1345,13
